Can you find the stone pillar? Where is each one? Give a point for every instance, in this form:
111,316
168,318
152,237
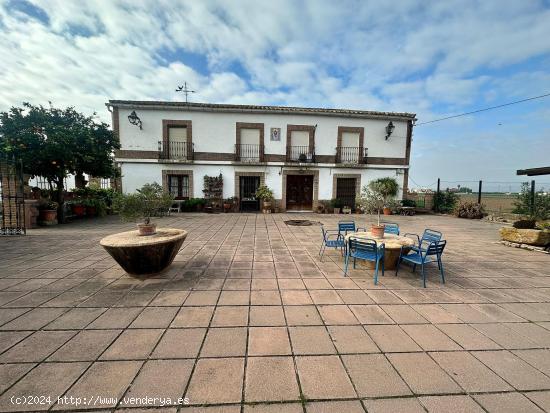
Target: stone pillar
31,213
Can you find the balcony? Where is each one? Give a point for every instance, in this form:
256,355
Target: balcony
351,155
182,151
246,152
302,154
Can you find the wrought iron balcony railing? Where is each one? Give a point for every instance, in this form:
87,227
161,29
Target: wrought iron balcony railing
302,154
176,150
351,155
246,152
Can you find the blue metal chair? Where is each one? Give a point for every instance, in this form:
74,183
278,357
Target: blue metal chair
424,256
331,239
429,235
346,226
391,228
365,249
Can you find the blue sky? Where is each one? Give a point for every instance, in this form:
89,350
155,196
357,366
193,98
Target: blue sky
431,58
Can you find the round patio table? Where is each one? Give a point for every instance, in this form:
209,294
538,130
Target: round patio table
393,244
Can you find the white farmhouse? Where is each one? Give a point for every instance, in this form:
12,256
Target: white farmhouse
303,154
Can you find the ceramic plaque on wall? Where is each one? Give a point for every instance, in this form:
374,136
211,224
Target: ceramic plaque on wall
276,134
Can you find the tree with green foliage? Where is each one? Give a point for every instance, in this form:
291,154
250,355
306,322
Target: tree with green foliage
54,143
523,205
445,201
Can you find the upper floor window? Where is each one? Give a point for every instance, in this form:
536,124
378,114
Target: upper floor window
350,145
177,139
249,142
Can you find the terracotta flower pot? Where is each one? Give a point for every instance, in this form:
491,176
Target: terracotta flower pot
48,215
377,231
147,229
227,207
79,210
387,211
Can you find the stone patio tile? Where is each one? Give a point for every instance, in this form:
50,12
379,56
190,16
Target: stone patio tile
497,313
296,297
403,314
391,338
230,316
325,297
33,299
264,341
10,338
514,370
302,315
506,403
354,297
170,298
291,284
193,317
152,381
370,314
350,406
323,377
132,345
106,379
87,345
180,343
430,338
265,316
271,379
337,315
311,340
537,334
317,284
408,405
39,383
541,398
468,313
202,298
10,373
225,342
8,314
236,284
412,296
264,284
265,298
454,404
374,376
74,319
430,379
34,319
155,317
234,298
116,318
469,373
36,347
468,337
343,284
216,381
136,298
272,408
539,359
505,336
435,314
352,339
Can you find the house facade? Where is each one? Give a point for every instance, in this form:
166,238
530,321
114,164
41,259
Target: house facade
304,155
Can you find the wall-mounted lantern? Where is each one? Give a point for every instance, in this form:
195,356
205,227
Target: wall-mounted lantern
389,129
134,119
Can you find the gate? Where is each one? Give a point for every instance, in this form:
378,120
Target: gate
12,199
346,191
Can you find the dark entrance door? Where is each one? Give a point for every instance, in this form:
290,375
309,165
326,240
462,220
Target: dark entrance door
345,191
299,192
248,186
12,200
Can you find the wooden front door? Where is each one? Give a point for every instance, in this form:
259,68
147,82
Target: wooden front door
299,192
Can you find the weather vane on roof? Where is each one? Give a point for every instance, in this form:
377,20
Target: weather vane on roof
185,90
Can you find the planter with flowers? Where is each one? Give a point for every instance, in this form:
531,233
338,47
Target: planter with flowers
265,194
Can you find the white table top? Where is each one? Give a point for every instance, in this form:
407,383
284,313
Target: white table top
391,241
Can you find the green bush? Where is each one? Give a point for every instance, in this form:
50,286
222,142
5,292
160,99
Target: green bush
151,200
264,193
336,203
523,203
408,203
445,202
191,204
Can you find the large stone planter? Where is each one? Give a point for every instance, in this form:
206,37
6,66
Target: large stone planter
526,236
144,255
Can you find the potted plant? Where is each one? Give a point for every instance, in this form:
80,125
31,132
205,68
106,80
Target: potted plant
95,207
47,212
145,203
336,205
387,188
228,204
265,195
346,209
78,208
372,201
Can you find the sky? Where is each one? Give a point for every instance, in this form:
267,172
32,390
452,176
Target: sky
432,58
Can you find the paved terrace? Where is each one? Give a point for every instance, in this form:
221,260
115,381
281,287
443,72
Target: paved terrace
248,317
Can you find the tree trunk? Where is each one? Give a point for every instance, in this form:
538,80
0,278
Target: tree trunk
60,199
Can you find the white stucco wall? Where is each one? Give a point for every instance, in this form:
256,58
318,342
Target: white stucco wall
215,132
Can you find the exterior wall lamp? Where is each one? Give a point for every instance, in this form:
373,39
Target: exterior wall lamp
389,129
134,119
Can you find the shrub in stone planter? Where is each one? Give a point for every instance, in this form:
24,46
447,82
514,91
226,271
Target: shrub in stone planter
266,195
47,212
151,200
525,224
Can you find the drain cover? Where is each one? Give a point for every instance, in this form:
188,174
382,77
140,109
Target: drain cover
300,222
